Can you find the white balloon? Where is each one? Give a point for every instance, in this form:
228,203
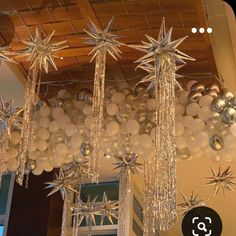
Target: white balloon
15,137
190,84
132,126
197,125
147,155
70,129
151,104
205,100
192,145
187,121
34,155
112,128
57,113
43,134
179,129
12,165
112,109
203,139
134,140
45,111
137,149
54,126
192,109
233,129
37,171
179,109
87,110
62,149
181,142
44,122
145,141
42,145
13,153
76,140
204,113
118,98
88,121
183,98
63,121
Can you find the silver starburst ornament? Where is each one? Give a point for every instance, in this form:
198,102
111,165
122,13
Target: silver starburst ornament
160,61
64,184
40,53
221,180
128,163
109,209
190,202
4,55
105,42
87,210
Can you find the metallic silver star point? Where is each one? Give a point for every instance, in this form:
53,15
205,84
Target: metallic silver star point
221,180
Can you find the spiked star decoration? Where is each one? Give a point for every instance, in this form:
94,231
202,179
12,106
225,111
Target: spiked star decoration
77,169
109,209
40,51
63,184
9,116
86,211
128,163
103,40
221,180
4,55
151,77
190,203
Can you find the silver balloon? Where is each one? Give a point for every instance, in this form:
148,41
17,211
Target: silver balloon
148,128
31,165
194,96
226,94
183,154
59,102
232,102
198,87
223,129
140,88
88,97
213,87
216,143
211,93
215,118
126,91
141,117
85,149
218,104
229,115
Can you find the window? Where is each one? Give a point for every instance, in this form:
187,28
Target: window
5,201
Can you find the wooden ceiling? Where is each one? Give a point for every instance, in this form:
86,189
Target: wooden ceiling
133,19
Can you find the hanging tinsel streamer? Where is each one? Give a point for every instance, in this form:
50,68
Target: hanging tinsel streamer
40,53
75,229
104,42
128,165
160,172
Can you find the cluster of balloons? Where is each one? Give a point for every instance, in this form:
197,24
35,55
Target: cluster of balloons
205,123
62,127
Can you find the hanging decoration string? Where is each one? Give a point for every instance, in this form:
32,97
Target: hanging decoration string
160,172
105,42
39,52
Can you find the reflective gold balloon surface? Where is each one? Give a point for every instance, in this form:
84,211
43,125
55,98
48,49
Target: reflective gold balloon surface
216,143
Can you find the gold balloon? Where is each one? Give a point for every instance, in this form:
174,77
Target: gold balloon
216,143
126,91
215,118
85,149
232,102
148,127
218,104
194,96
198,87
213,87
139,89
183,154
31,165
229,115
59,102
141,117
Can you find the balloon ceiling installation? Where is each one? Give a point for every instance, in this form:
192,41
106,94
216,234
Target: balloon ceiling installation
76,132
